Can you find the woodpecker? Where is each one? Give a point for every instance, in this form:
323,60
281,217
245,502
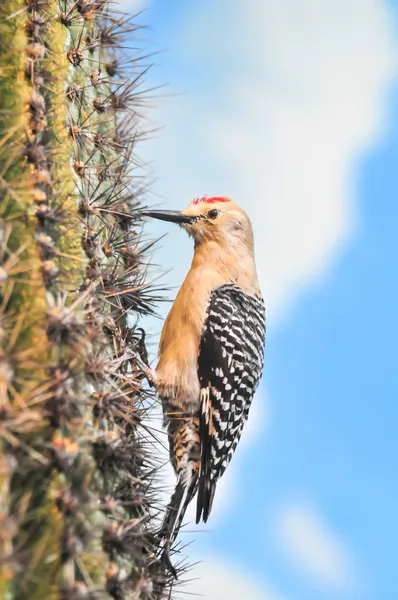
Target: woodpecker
211,353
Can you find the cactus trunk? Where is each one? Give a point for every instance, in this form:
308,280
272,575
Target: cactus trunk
77,473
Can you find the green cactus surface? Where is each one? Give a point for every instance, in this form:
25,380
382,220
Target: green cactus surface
78,484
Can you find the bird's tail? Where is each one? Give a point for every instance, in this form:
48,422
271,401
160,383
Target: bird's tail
206,493
185,451
183,494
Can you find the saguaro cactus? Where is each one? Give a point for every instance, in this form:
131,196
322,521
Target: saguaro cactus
77,484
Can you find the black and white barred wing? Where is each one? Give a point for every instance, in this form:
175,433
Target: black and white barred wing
230,365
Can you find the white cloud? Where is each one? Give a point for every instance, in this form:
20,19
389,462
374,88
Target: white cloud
315,548
281,97
216,581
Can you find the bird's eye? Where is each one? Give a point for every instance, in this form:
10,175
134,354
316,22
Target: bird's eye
213,214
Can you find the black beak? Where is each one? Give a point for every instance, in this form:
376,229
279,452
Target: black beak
174,216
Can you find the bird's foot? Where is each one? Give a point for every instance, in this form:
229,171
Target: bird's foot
148,373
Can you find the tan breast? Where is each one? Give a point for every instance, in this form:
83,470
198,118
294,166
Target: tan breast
212,267
176,373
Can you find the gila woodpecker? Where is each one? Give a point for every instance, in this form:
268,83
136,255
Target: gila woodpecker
210,353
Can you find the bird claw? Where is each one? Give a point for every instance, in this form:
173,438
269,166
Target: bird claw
146,370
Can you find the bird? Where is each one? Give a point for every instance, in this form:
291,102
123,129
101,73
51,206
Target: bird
211,354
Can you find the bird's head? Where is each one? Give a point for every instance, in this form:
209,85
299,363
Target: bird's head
216,218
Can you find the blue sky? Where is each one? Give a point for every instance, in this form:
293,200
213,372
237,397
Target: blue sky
291,107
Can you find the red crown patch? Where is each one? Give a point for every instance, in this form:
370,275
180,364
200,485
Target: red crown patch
210,200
